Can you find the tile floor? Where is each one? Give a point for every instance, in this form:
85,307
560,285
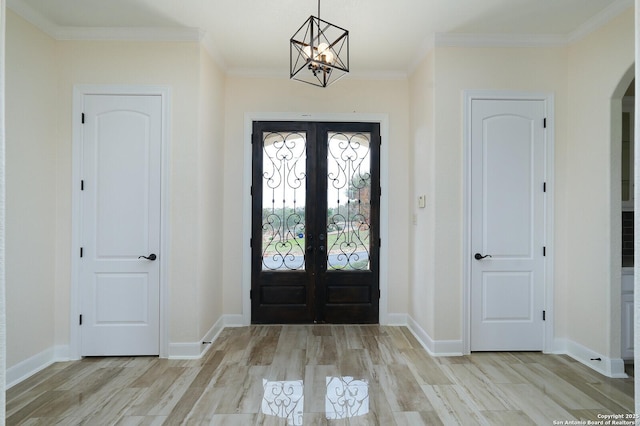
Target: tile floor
317,375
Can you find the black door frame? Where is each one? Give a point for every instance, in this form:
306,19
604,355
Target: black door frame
343,296
243,278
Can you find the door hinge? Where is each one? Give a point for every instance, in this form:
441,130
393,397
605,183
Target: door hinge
544,315
82,185
544,187
544,251
379,242
379,294
83,118
80,321
251,190
251,294
251,242
81,251
544,123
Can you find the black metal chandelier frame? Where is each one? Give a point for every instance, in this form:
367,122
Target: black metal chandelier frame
319,52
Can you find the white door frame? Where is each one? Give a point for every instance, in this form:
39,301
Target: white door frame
548,99
383,119
79,91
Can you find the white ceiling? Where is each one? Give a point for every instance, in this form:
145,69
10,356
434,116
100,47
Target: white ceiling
387,37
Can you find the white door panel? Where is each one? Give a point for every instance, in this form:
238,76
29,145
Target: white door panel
120,222
507,225
122,168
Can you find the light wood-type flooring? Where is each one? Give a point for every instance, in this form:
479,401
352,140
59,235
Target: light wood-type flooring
316,375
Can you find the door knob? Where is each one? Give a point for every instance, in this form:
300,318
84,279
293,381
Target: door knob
152,256
478,256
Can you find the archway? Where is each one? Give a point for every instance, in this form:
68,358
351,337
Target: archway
621,214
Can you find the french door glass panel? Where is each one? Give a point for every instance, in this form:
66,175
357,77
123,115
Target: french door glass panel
348,201
284,188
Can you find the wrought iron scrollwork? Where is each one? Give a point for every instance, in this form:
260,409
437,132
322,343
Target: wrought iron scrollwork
283,215
346,397
284,400
349,216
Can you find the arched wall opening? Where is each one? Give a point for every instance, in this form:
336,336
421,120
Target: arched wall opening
621,261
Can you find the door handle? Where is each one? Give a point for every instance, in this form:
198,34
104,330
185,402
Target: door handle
152,256
478,256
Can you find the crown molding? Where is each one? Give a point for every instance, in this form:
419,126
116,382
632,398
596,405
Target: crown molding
437,40
534,40
129,33
499,40
103,33
427,46
33,17
210,46
599,20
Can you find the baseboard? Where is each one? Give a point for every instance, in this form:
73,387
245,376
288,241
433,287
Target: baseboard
396,319
434,347
30,366
191,350
196,350
610,367
233,320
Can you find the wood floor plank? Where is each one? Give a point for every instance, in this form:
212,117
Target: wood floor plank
485,395
495,365
562,392
536,404
453,405
315,386
166,403
402,390
425,368
142,421
381,371
321,350
154,391
507,418
413,418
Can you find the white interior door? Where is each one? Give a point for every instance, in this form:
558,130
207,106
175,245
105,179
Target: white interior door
507,224
121,166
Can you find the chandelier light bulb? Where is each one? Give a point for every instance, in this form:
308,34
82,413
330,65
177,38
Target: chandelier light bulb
322,47
324,53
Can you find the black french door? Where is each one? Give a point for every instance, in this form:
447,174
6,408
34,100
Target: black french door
315,222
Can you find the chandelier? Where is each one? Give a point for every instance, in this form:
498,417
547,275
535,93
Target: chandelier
319,52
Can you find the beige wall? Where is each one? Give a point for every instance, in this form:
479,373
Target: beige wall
31,248
457,70
589,269
41,76
422,294
584,192
173,64
211,192
259,95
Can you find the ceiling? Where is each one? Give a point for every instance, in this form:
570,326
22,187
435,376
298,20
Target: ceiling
387,37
